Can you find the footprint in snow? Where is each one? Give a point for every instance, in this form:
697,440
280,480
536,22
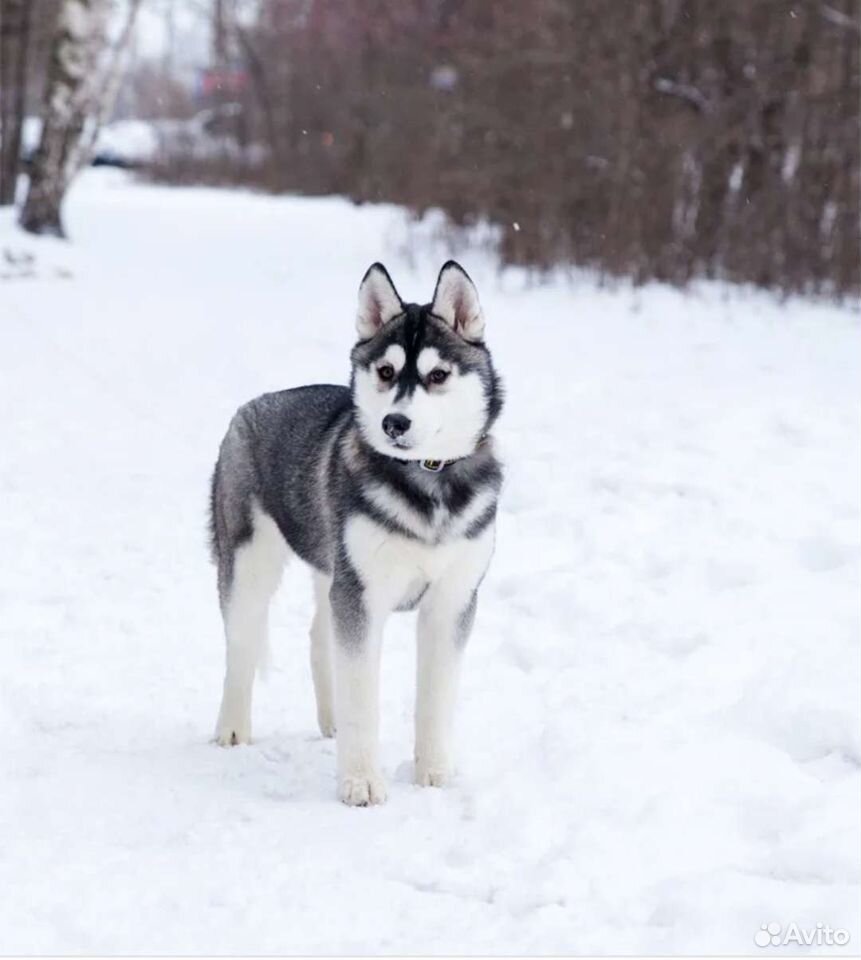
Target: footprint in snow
820,554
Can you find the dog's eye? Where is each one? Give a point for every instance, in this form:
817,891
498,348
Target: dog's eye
438,376
386,372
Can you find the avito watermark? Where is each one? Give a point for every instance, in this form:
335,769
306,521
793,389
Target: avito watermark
777,935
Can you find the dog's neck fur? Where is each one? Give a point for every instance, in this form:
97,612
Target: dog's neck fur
450,489
483,452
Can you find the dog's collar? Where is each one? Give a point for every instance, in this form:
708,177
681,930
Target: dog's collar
437,466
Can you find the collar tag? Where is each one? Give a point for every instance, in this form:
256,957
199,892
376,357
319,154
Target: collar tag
432,466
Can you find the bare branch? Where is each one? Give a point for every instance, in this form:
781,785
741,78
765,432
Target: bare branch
683,91
839,19
109,82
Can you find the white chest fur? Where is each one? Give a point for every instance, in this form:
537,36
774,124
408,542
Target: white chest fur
391,566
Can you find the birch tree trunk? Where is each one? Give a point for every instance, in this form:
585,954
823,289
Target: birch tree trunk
82,82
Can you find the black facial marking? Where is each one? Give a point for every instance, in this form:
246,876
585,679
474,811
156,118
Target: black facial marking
415,335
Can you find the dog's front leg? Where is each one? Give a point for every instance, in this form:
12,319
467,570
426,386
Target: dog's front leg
358,639
445,621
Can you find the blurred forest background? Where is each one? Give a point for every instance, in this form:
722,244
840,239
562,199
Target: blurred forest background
647,139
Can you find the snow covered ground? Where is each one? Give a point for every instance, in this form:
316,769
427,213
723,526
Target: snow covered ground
659,747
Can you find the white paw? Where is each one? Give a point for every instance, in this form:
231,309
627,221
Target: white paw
326,722
432,774
362,790
231,731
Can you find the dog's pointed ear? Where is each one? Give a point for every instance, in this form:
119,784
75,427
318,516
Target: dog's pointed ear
455,300
378,301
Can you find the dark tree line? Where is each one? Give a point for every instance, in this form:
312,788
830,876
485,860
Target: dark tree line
652,139
657,139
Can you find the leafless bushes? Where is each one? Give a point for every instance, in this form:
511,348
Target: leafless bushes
655,139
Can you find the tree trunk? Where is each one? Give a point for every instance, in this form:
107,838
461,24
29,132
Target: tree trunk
78,97
15,18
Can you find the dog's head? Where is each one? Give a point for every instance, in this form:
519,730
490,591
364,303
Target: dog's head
423,383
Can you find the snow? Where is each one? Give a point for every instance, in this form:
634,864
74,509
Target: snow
659,743
133,141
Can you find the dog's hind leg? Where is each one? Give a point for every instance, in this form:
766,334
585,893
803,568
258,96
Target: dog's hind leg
254,575
321,655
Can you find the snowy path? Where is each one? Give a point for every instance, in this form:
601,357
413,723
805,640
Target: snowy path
659,734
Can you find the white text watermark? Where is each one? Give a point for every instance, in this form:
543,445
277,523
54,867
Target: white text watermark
782,935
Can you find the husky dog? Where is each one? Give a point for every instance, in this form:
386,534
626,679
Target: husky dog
388,490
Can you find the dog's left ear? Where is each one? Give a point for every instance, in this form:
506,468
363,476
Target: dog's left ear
455,300
379,302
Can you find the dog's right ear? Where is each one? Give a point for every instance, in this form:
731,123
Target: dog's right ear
378,302
455,300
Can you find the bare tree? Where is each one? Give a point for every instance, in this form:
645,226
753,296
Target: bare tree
82,84
15,20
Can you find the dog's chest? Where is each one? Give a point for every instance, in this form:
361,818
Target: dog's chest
397,569
435,527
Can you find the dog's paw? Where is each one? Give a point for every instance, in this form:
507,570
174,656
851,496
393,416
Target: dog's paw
432,774
231,733
231,738
362,791
326,723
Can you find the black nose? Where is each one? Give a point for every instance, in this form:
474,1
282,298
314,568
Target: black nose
395,424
